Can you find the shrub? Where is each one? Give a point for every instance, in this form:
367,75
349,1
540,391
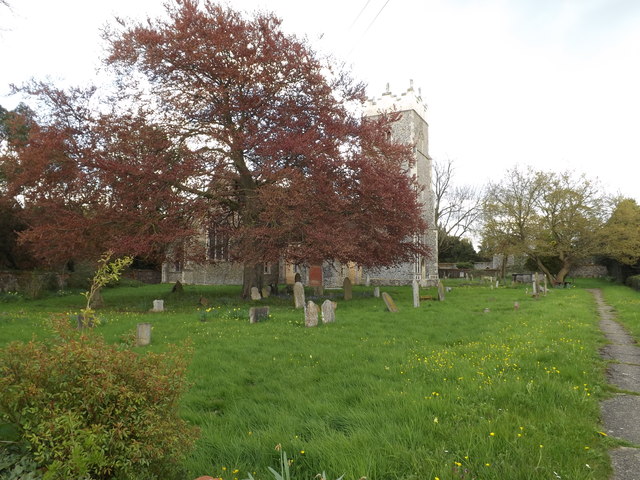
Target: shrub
633,282
89,410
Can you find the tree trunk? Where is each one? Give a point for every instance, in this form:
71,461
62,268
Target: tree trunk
564,271
545,271
252,277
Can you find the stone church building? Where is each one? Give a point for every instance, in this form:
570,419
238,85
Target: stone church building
412,128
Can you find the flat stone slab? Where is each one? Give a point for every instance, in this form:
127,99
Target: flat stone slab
624,376
622,353
626,463
616,333
621,417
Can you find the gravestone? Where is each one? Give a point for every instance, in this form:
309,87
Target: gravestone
203,301
143,334
346,287
255,293
266,291
158,306
257,314
440,292
311,314
177,287
388,301
376,292
329,311
416,294
298,295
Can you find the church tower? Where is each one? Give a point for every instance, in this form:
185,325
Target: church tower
412,129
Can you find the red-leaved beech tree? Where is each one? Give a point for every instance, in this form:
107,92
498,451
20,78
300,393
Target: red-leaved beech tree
221,119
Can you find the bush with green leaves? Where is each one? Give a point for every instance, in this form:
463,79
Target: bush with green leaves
88,410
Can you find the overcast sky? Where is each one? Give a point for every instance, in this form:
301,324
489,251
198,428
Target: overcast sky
554,84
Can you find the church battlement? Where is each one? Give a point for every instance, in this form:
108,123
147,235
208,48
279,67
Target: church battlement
409,100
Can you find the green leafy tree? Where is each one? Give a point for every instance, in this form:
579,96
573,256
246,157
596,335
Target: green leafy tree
544,214
621,233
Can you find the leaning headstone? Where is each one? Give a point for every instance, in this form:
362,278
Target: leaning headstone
158,306
143,334
298,295
311,315
266,291
416,294
440,292
257,314
255,293
346,287
177,287
388,301
329,311
376,292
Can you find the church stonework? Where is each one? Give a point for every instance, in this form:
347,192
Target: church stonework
412,129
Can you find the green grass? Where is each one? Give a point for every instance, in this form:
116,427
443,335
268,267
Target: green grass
442,391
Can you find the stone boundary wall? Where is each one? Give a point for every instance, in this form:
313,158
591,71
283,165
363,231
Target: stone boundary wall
17,281
589,271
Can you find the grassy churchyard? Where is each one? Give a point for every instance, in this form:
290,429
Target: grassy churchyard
467,388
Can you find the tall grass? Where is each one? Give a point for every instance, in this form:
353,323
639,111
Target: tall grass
444,391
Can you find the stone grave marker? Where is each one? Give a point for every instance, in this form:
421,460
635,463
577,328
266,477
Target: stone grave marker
257,314
266,291
416,293
158,306
298,295
203,301
440,292
255,293
376,292
329,311
177,287
143,334
388,301
311,314
348,290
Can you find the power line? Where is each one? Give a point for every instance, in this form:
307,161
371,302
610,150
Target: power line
359,14
368,27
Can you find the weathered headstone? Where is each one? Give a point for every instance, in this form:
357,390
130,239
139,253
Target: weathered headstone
143,334
177,287
440,292
158,306
329,311
255,293
376,292
311,314
388,301
257,314
298,295
416,294
545,286
346,287
266,291
534,285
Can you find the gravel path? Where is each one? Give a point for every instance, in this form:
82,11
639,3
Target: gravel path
621,414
